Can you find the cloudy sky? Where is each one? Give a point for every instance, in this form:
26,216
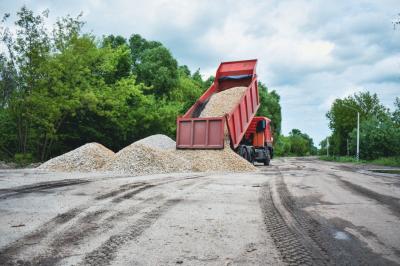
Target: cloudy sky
310,52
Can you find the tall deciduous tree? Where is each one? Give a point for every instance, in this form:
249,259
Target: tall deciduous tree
343,116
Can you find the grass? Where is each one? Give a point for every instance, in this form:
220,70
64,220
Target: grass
386,161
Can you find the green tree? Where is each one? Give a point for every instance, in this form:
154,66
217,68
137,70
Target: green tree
296,144
138,45
27,52
159,70
283,146
378,138
323,145
310,148
114,41
343,116
153,65
301,143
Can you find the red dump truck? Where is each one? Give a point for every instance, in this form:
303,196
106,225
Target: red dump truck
249,136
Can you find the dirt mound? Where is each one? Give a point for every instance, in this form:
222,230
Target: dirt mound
223,102
89,157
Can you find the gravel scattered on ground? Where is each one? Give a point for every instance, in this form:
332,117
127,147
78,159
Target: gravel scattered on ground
89,157
223,102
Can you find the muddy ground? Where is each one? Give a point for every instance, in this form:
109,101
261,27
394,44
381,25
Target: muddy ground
299,211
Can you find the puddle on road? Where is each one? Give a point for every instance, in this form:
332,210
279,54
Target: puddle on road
341,235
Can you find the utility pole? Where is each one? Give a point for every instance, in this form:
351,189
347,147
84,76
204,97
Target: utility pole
358,136
327,147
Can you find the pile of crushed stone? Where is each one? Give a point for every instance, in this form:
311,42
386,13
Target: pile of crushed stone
143,157
152,155
223,102
89,157
140,158
158,141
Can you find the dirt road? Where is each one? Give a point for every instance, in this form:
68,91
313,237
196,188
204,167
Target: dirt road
296,212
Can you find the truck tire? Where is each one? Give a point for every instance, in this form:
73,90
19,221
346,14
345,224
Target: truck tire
250,156
268,158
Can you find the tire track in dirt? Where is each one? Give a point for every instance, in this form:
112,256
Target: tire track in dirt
38,187
318,235
292,250
308,229
85,226
121,189
8,253
132,193
107,251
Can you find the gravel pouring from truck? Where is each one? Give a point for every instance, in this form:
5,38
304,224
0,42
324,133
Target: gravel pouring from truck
194,132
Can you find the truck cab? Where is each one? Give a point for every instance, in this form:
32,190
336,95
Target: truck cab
257,143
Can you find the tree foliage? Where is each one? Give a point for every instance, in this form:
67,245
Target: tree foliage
296,144
343,117
379,128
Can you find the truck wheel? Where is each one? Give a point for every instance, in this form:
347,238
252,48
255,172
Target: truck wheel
250,155
268,159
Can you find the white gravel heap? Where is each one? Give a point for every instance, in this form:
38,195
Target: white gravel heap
89,157
152,155
158,141
143,157
223,102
